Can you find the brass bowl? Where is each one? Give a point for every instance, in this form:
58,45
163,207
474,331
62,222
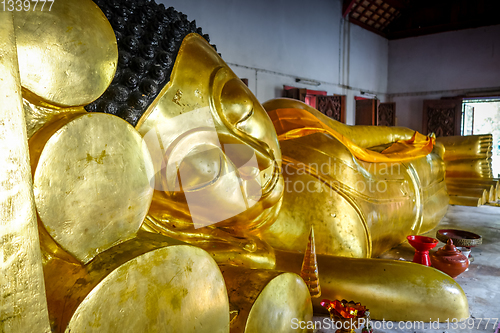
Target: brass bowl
459,237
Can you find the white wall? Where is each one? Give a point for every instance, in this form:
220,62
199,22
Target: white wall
272,42
369,60
439,65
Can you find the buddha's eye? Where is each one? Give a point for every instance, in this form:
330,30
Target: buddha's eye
201,167
237,105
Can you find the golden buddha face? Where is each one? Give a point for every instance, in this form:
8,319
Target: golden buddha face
215,150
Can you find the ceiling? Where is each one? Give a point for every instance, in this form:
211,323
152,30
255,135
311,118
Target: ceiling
394,19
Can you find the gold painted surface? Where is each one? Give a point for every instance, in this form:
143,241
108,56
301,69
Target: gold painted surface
363,136
293,123
473,168
68,55
337,219
472,182
91,181
467,147
37,116
266,300
392,290
151,283
138,271
490,181
23,306
481,193
92,192
413,184
309,270
436,206
250,251
435,198
361,209
468,156
203,109
465,201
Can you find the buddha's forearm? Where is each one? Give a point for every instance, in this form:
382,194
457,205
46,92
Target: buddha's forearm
391,290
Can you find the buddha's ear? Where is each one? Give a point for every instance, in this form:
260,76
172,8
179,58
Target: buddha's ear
67,55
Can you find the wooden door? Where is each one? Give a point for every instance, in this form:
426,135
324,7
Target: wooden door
386,115
296,93
442,117
332,106
366,111
305,95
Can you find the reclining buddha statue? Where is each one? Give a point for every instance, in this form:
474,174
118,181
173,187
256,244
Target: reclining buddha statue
178,216
370,201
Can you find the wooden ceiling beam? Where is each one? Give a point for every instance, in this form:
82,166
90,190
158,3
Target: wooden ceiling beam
422,17
363,13
398,4
347,7
426,17
440,28
367,27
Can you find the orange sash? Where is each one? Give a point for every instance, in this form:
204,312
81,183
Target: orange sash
296,123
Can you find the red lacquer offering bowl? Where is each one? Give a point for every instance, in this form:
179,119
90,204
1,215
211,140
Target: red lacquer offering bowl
422,246
460,238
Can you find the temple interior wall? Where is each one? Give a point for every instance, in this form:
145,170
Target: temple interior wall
274,42
441,65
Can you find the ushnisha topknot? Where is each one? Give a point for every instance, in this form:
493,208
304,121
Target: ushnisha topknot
149,37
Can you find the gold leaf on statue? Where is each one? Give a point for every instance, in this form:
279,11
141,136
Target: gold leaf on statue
91,182
68,54
309,271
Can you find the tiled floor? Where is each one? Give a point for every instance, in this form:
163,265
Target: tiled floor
481,283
